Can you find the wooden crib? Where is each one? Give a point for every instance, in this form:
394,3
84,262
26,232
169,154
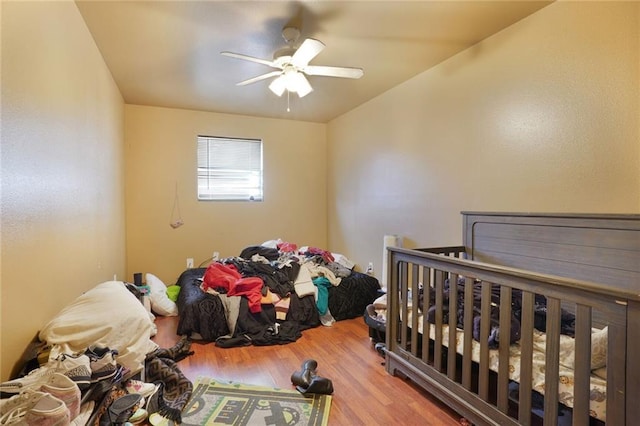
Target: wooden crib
512,292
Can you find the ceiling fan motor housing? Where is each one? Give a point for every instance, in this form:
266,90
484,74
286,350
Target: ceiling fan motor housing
283,56
290,34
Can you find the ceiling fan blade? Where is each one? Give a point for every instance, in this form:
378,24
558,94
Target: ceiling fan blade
249,58
342,72
258,78
308,50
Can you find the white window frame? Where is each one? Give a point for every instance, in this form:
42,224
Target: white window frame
229,169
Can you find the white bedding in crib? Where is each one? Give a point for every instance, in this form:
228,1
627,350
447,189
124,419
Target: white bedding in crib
598,396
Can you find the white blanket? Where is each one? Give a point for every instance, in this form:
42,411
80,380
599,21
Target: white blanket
108,315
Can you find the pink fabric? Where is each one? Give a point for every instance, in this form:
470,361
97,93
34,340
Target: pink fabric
326,255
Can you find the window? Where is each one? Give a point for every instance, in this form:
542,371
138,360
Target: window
229,169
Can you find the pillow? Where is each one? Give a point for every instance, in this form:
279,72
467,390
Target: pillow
566,348
599,348
108,315
160,302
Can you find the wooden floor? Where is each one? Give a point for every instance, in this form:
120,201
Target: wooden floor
364,393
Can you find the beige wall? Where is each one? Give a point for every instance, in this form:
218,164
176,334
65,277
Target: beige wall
62,169
161,151
543,117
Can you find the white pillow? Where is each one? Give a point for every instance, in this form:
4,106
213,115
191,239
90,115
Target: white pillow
599,348
160,302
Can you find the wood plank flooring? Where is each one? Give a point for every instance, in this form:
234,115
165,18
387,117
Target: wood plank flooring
364,393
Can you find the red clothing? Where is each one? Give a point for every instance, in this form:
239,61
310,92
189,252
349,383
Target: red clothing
287,247
227,277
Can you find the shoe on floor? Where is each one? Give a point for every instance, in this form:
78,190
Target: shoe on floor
66,390
141,388
102,364
139,416
319,385
35,408
75,367
48,411
304,376
23,401
122,408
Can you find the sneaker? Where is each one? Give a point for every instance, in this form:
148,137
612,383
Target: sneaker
20,403
34,408
139,416
77,368
139,387
102,363
66,390
122,408
74,367
31,381
48,411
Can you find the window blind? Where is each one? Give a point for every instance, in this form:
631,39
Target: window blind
229,169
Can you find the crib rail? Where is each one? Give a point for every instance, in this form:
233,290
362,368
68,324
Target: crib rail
418,285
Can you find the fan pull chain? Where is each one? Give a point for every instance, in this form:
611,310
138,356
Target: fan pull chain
288,109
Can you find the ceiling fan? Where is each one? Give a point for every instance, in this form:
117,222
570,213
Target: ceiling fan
293,63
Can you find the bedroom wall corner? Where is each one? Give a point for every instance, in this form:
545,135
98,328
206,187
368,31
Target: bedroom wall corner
62,223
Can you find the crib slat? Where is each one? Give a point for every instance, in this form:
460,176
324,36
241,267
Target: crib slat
552,362
414,308
468,333
403,305
616,350
453,323
437,353
526,358
633,369
485,325
503,352
582,365
392,298
426,297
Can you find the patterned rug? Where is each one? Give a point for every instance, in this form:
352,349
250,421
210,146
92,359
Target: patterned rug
226,403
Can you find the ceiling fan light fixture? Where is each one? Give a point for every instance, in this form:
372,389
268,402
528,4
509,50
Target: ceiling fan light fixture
300,84
278,85
291,81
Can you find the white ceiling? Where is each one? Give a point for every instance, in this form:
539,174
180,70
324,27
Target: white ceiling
167,53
